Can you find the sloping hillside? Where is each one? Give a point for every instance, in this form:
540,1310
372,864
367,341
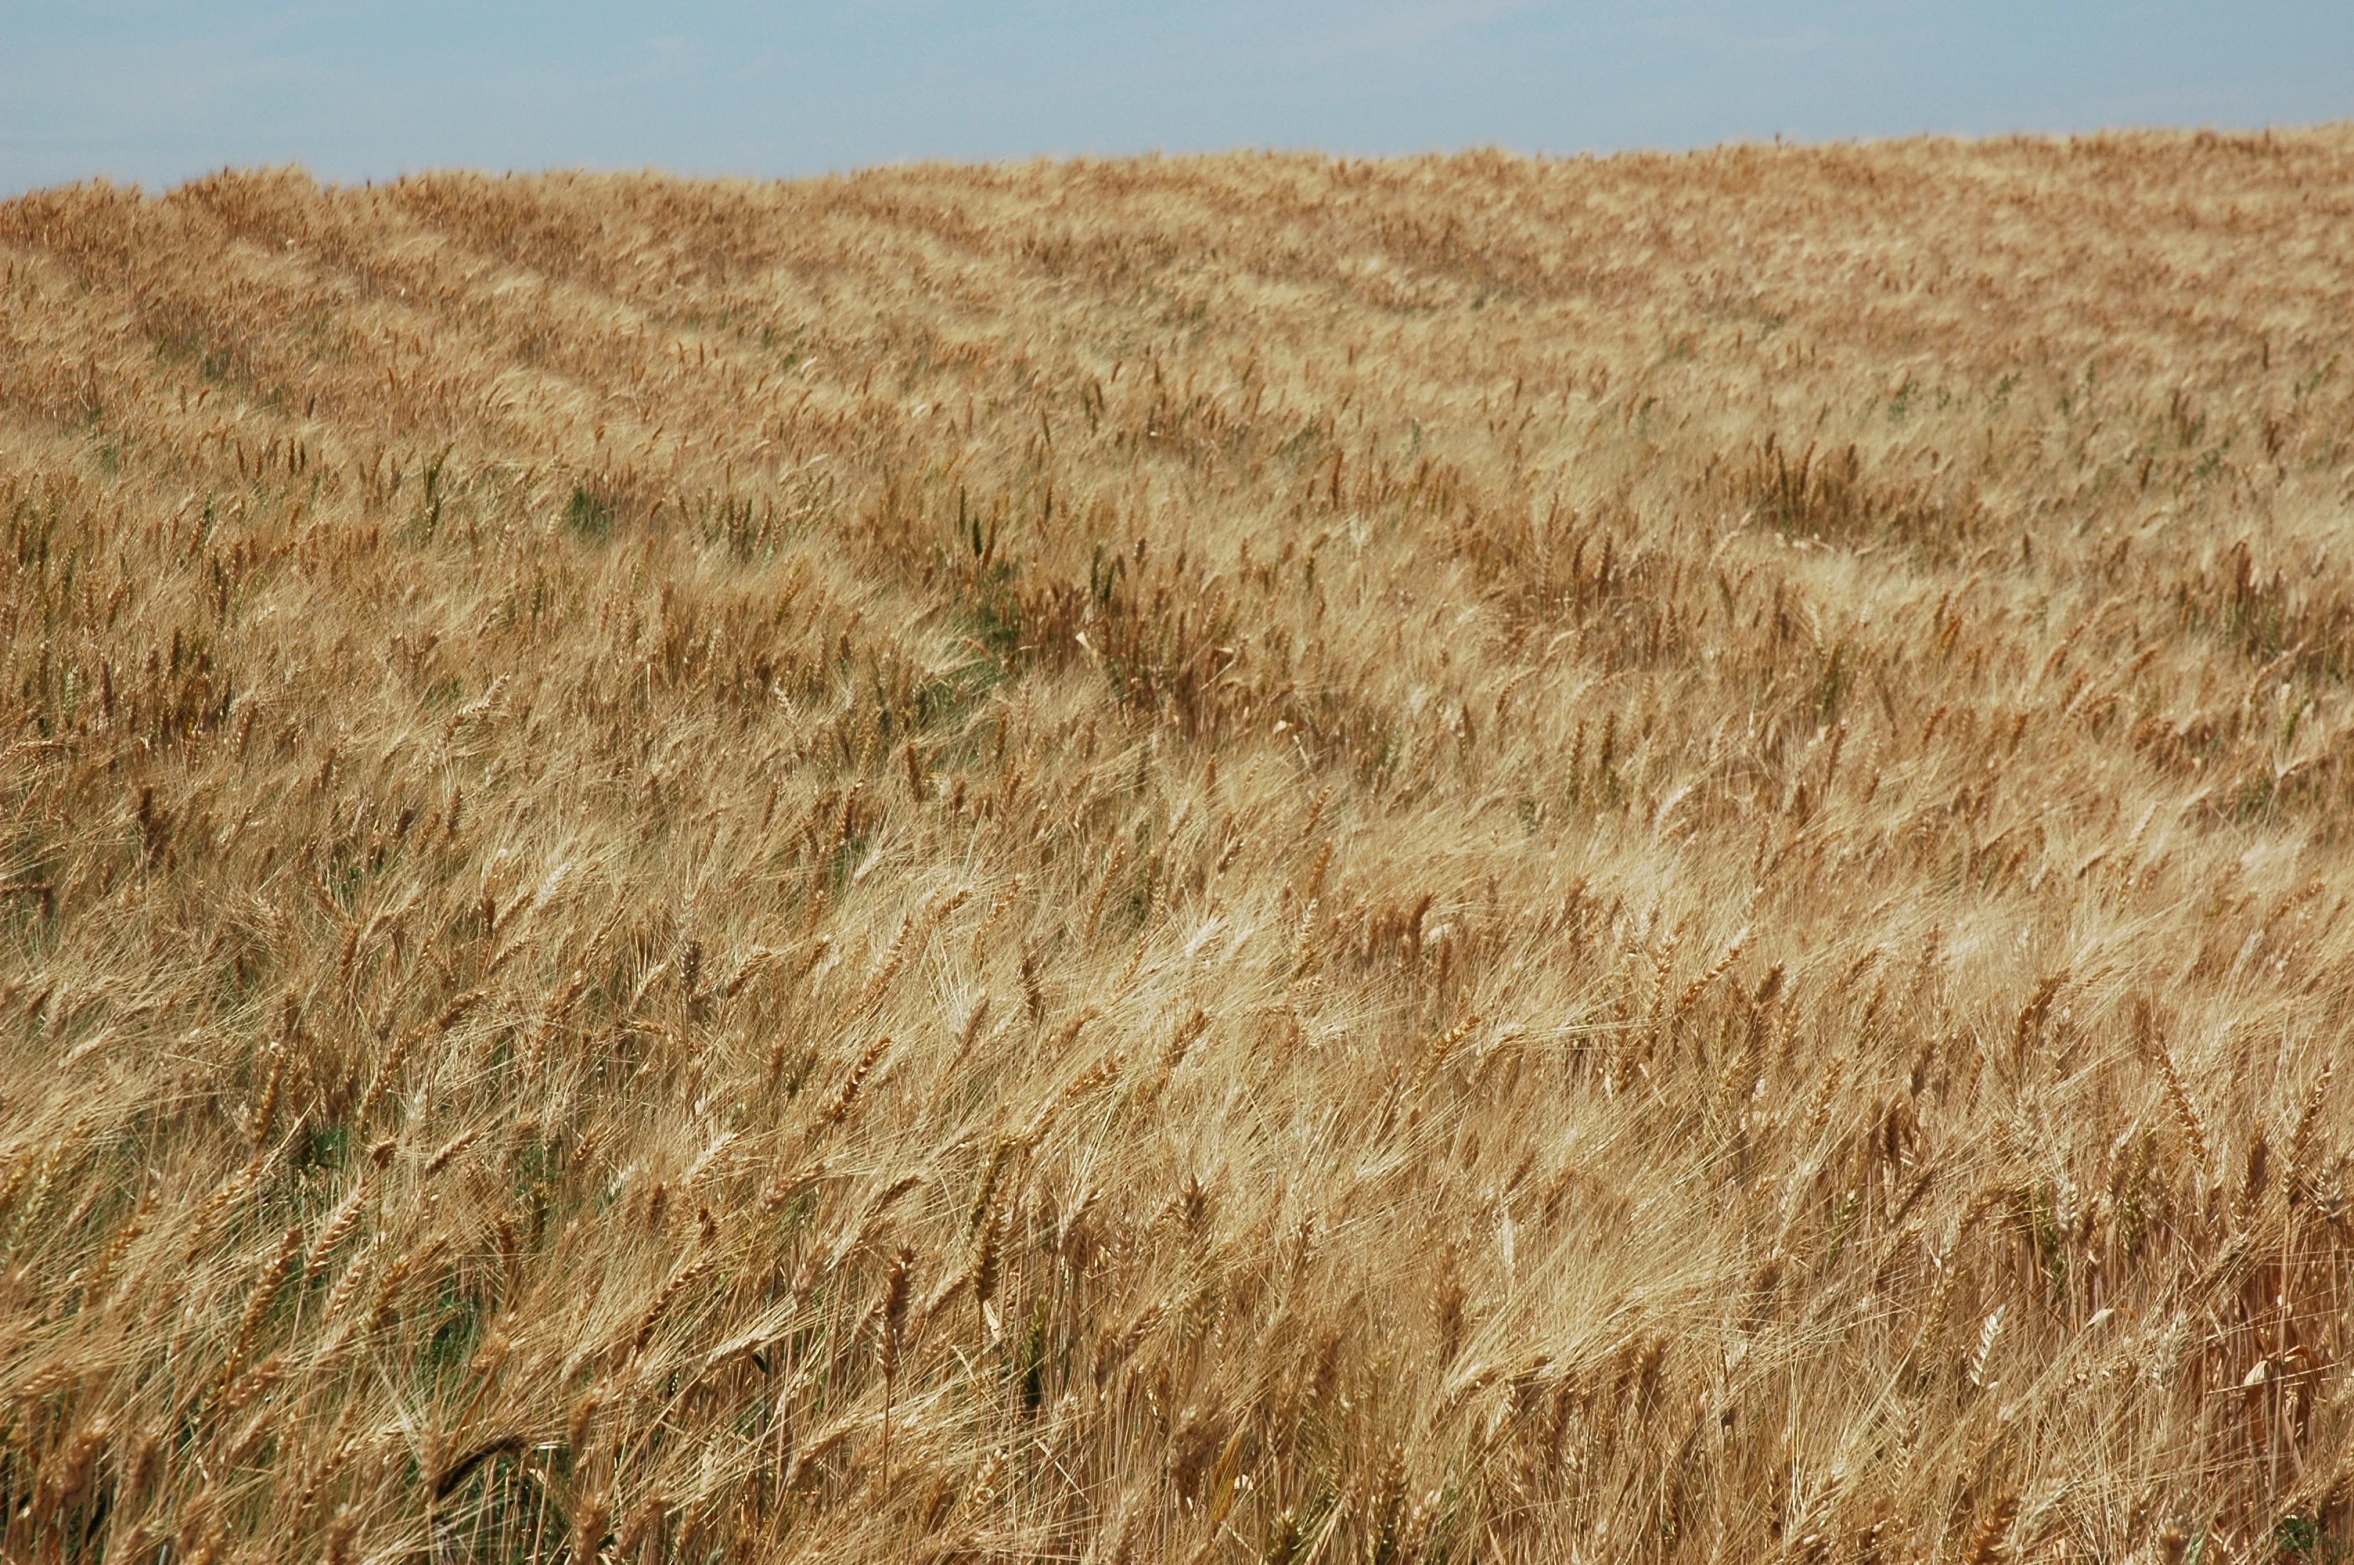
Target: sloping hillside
1253,858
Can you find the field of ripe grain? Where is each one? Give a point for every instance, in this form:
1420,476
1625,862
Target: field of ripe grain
1254,858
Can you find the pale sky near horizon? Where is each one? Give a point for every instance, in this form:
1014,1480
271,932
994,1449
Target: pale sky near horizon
156,92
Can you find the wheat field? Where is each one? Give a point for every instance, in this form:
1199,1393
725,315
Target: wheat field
1248,858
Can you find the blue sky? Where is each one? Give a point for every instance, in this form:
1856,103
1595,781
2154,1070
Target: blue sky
156,92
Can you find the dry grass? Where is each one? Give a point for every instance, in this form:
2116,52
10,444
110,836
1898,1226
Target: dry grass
1231,859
